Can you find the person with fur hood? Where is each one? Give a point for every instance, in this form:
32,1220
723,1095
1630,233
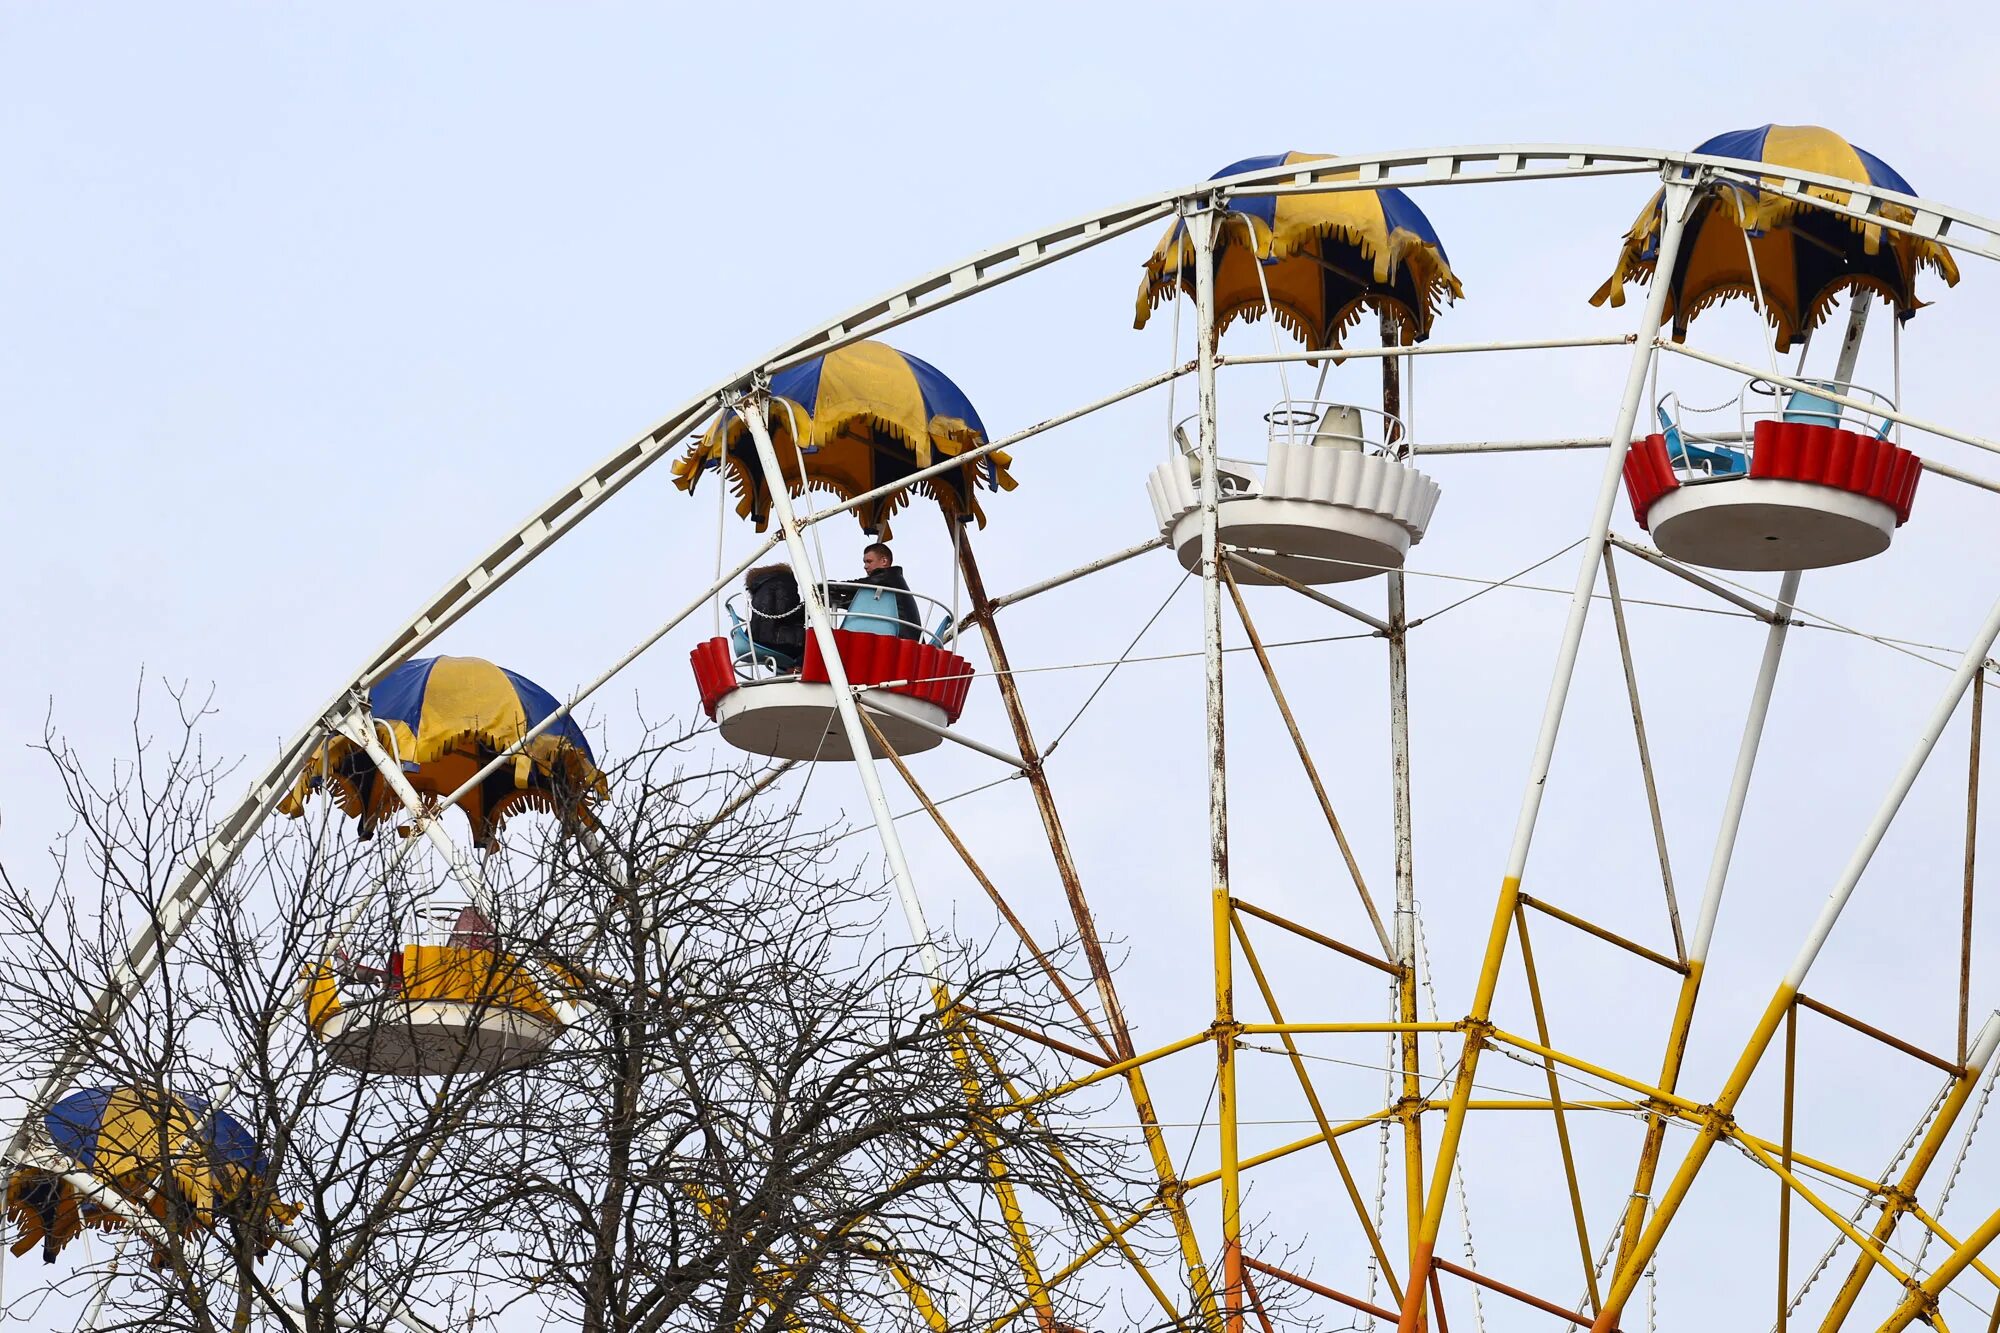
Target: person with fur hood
777,613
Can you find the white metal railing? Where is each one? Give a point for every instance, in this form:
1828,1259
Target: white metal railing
1332,425
1782,404
1696,455
436,922
1316,421
447,922
1699,456
755,657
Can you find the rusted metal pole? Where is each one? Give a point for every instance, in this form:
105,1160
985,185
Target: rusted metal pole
1910,1049
1308,933
1257,1304
1318,1289
1039,1038
1437,1301
1045,804
1171,1187
1608,936
1007,912
1241,561
1686,575
1493,1284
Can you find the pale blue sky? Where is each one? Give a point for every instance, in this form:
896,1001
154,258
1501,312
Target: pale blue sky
301,308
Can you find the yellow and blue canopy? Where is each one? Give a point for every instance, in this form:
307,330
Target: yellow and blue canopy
861,416
1806,256
172,1154
444,718
1324,257
121,1132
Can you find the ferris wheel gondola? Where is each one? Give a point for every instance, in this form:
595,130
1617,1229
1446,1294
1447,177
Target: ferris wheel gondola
1811,477
846,423
449,1000
449,996
1335,498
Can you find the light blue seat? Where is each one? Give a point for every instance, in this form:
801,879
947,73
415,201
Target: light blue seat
943,629
739,648
872,611
1719,462
1814,409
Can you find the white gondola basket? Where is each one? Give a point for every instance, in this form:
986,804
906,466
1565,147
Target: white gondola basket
423,1038
466,1009
1328,505
1805,482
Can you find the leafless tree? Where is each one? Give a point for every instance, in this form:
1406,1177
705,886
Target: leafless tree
774,1115
768,1109
342,1229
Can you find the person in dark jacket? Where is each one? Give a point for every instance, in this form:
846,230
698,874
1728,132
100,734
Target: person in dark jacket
879,569
777,615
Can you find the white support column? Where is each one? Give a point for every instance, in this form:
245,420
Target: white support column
1711,904
860,744
1676,196
1878,828
1399,775
1203,226
1403,1007
1739,782
1850,342
858,741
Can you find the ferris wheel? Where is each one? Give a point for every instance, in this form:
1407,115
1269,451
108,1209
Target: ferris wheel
1319,1009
